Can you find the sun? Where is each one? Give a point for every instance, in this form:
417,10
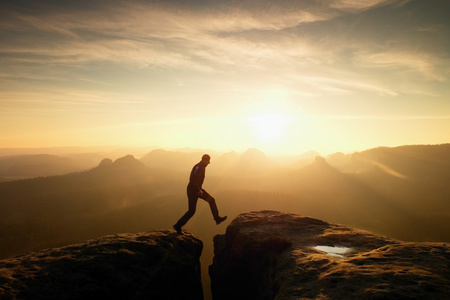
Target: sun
269,128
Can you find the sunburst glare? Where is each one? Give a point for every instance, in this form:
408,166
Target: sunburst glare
269,128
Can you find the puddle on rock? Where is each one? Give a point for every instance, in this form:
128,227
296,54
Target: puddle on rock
333,251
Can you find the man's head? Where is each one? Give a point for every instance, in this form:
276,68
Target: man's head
205,159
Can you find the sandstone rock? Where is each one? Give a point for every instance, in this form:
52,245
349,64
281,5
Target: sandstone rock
154,265
273,255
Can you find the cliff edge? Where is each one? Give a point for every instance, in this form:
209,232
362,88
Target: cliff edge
154,265
274,255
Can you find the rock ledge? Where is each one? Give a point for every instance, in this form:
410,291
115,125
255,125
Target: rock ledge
153,265
273,255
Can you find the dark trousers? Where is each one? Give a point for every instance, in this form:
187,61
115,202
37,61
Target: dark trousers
193,197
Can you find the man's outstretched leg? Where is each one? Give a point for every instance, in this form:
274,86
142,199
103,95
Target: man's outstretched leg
212,204
191,211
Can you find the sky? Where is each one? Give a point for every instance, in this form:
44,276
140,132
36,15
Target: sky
282,76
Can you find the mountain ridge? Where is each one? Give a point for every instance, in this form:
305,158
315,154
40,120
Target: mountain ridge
24,166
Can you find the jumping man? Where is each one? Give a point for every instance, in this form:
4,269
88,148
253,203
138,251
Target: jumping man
195,191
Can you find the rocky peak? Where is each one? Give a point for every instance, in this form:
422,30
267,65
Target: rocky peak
153,265
127,162
105,163
274,255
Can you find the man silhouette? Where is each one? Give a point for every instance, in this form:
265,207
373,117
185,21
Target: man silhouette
195,191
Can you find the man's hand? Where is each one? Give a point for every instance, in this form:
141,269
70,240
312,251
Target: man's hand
200,193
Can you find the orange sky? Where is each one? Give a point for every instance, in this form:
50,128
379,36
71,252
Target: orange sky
282,76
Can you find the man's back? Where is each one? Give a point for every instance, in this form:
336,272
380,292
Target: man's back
197,177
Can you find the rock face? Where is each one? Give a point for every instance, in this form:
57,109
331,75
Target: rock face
153,265
274,255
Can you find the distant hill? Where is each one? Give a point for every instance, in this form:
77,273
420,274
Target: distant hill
35,165
248,163
418,161
172,160
113,152
55,210
252,162
411,160
124,171
414,177
305,159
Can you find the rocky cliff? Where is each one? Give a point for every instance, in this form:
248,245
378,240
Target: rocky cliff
153,265
274,255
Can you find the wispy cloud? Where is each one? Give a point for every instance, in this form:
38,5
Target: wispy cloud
347,84
362,5
428,66
215,36
381,117
158,34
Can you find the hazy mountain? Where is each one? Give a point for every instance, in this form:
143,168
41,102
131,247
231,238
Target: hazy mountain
113,152
305,159
171,160
35,165
46,150
425,162
403,161
45,211
252,162
248,163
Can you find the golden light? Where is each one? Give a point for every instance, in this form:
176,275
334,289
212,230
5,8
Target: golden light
269,127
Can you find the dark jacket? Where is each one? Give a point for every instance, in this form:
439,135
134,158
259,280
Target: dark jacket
197,177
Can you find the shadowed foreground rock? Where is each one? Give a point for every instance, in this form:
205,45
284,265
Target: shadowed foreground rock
273,255
152,265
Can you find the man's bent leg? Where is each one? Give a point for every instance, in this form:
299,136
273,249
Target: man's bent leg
212,204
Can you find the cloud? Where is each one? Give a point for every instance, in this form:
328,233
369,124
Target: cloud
156,36
212,36
430,67
363,5
384,117
350,84
110,32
